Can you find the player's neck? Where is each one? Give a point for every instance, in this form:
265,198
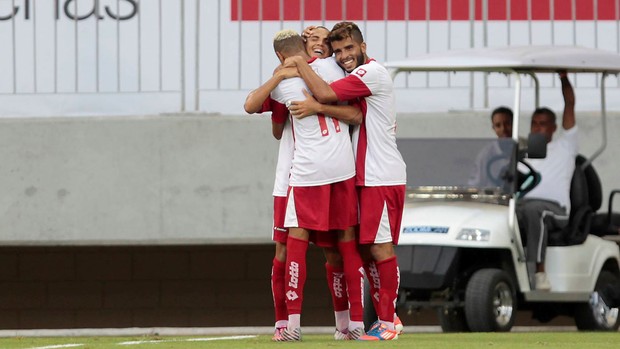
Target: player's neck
302,54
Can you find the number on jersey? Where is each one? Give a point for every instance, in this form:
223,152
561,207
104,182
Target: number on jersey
323,125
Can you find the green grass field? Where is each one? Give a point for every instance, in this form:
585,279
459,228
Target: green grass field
564,340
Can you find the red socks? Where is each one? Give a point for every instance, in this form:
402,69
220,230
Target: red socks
337,287
295,274
354,274
388,272
277,289
373,280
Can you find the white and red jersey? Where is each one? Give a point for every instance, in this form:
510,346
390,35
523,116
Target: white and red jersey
323,153
285,161
279,115
378,161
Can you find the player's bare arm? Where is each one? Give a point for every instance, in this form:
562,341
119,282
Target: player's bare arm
320,89
350,114
255,98
568,118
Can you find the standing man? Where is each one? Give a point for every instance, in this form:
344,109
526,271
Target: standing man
380,169
343,261
548,204
321,196
281,130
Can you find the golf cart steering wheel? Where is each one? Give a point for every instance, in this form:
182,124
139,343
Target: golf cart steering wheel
497,177
527,181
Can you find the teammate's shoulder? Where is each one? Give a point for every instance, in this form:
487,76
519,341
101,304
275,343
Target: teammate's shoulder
327,61
370,69
372,64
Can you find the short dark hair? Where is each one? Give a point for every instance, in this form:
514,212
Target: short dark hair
502,110
344,30
545,111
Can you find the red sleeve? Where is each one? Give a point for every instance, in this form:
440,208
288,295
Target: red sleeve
355,102
266,105
349,88
279,112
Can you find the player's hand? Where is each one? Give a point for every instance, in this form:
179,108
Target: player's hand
307,107
288,72
562,74
292,61
308,32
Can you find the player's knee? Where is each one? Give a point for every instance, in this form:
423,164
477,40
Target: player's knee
333,257
381,252
280,252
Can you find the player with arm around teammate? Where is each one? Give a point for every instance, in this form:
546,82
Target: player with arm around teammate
321,194
380,169
316,44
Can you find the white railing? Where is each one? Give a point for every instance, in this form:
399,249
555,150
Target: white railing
65,57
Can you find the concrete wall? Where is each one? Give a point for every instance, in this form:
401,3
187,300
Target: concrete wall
136,180
199,186
176,179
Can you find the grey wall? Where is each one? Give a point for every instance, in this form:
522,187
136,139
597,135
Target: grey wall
152,179
176,179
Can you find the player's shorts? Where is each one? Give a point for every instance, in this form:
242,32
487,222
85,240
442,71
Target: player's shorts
324,238
381,212
322,208
280,233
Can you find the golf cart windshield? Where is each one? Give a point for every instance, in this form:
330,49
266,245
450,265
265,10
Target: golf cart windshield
460,169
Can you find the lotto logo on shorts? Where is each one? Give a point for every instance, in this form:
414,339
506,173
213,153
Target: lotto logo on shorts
294,273
361,72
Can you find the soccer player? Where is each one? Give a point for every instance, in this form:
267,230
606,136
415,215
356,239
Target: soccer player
347,294
380,169
321,193
282,131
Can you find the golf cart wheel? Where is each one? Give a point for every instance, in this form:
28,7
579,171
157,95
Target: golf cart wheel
452,320
596,315
490,301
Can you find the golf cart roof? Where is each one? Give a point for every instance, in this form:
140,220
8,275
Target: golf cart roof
525,59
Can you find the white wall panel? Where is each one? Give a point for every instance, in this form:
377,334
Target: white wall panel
195,50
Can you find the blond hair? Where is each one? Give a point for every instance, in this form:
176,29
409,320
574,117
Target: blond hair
288,41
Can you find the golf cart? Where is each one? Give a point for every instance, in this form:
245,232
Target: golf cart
460,247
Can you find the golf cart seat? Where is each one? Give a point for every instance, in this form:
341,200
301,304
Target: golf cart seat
581,212
607,223
603,223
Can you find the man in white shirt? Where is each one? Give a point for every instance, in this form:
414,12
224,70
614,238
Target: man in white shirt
343,262
548,204
321,196
380,169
